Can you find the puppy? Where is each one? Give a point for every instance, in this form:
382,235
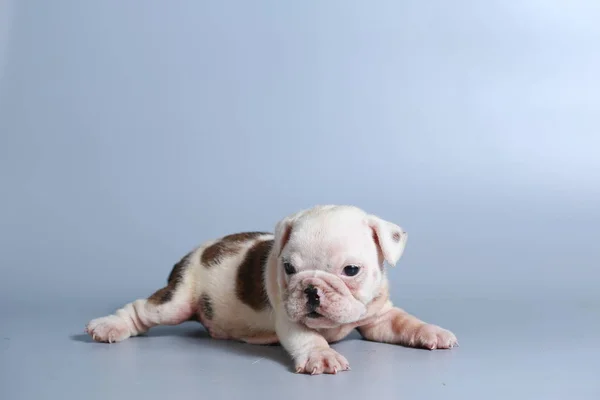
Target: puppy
319,276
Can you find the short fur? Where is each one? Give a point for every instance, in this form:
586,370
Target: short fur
238,289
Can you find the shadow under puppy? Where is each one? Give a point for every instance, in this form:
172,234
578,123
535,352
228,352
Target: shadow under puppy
318,277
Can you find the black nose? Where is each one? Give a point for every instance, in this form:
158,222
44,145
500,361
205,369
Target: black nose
312,296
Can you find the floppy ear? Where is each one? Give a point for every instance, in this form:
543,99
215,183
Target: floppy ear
283,229
389,237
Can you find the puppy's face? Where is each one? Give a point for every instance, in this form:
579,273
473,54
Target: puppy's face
330,263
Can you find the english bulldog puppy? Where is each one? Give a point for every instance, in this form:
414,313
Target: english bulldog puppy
320,275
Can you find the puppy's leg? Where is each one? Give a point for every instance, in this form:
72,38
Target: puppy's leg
171,305
309,350
137,317
398,327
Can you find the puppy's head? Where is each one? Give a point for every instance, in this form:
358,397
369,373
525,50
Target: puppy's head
330,263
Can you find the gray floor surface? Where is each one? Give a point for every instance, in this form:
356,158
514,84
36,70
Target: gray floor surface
520,349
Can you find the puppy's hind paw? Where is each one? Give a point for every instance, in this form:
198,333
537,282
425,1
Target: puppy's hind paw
322,361
109,329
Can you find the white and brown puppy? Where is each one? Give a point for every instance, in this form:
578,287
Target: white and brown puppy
320,276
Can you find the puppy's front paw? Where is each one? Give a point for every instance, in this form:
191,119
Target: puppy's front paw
319,361
433,337
109,329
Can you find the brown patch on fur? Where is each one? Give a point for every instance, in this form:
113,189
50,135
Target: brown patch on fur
165,294
228,245
207,307
250,278
243,237
161,296
176,275
213,254
396,236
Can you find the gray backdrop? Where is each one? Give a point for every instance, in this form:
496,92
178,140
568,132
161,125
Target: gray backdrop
132,131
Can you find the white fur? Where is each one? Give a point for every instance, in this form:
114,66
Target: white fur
319,242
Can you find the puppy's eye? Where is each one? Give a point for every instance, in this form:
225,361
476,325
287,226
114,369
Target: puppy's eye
351,270
289,268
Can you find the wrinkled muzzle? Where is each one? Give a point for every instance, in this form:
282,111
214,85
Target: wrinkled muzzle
317,294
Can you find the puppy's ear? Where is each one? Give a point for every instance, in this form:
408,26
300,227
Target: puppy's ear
283,230
389,237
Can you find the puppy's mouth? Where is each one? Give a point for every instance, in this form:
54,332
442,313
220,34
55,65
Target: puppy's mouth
316,320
